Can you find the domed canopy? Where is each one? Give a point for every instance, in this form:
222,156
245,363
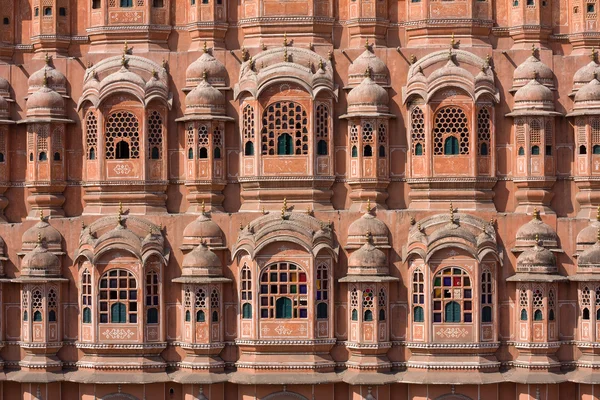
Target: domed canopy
40,262
584,75
202,230
49,235
358,230
588,236
202,262
48,76
535,230
368,97
537,260
204,99
533,98
367,60
209,65
368,260
532,68
590,258
45,103
587,99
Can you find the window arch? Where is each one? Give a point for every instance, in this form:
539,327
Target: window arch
486,296
484,129
187,303
285,281
203,141
91,135
417,120
215,300
538,304
322,128
381,302
367,303
122,136
52,304
551,304
200,304
248,129
246,292
155,135
523,303
452,296
418,295
354,304
322,291
118,297
284,118
37,304
451,122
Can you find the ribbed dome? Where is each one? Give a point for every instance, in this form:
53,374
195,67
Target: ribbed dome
368,97
54,78
203,229
536,228
585,74
450,69
532,68
534,94
45,103
590,92
536,260
378,69
50,236
365,224
368,260
201,262
206,63
205,99
591,257
123,75
39,262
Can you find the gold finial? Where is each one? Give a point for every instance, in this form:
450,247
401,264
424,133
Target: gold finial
452,41
47,59
203,210
330,55
536,214
450,53
41,215
241,226
285,55
205,76
284,208
412,220
451,213
492,221
154,74
39,239
533,50
413,59
285,41
368,72
264,211
598,214
593,54
419,226
45,80
125,48
123,60
205,47
120,208
251,63
308,210
321,65
164,64
369,236
82,225
245,54
264,46
598,236
368,205
367,46
537,238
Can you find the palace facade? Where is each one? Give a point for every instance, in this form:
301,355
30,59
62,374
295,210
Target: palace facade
299,200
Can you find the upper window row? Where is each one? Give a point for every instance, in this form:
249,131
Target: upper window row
96,4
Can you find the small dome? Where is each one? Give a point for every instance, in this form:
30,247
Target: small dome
536,228
203,229
54,78
50,236
376,66
204,99
532,68
156,84
534,95
368,260
40,262
590,258
368,97
451,69
4,88
206,63
585,74
536,260
120,234
588,236
123,75
368,223
45,103
201,262
590,92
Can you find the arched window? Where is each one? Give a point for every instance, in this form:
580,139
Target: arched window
354,315
451,146
322,311
523,303
368,151
122,127
451,132
52,316
452,292
43,156
155,153
586,314
215,316
368,316
535,150
582,149
486,314
203,153
537,315
92,154
551,301
483,150
284,118
188,316
52,304
382,315
354,152
538,304
484,128
25,316
91,134
354,303
486,296
418,314
284,145
247,311
37,316
87,315
246,292
381,301
47,11
523,315
368,297
86,295
126,3
417,128
118,297
249,149
521,151
285,281
215,299
57,156
190,154
418,149
322,148
62,12
37,305
122,150
596,149
200,304
382,151
152,297
217,153
200,316
283,308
